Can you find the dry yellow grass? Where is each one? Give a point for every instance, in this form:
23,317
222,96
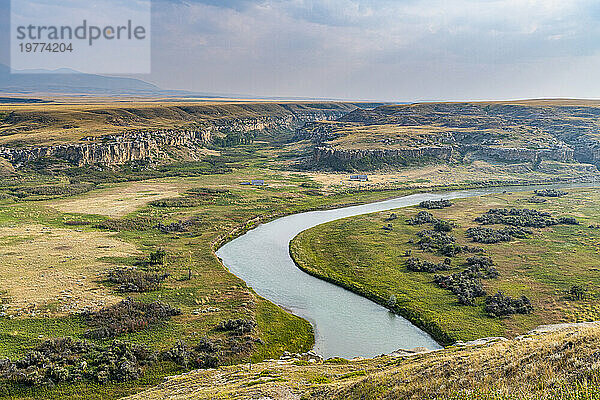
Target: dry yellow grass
442,175
120,199
553,365
56,270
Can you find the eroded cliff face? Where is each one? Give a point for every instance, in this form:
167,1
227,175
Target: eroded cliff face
149,145
324,155
389,135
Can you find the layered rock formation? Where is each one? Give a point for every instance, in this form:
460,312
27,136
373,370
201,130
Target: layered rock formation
323,154
145,145
446,131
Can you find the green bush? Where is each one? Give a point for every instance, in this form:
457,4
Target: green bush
500,305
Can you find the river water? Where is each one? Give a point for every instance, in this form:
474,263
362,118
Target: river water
345,324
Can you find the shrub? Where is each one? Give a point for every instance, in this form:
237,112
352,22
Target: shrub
207,353
442,226
237,326
126,317
432,240
158,257
451,250
53,190
482,267
489,235
517,217
435,204
473,249
392,217
523,217
416,265
180,354
500,305
536,200
568,221
577,292
77,223
465,285
176,202
392,301
179,226
133,280
68,360
423,217
550,193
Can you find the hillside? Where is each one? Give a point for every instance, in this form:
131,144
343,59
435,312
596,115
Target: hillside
48,124
554,362
400,135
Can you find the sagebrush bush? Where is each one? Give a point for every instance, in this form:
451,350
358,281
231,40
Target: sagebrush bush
69,360
237,326
522,217
435,204
416,265
500,305
125,317
134,280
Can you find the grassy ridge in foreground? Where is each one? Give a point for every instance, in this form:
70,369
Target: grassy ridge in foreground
561,365
358,254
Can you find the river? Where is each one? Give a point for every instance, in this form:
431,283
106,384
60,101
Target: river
345,324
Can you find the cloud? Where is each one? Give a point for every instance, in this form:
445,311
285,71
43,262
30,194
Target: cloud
383,49
374,48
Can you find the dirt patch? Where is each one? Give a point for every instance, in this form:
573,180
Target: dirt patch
56,271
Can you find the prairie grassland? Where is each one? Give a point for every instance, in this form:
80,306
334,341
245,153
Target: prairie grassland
120,200
215,219
54,271
560,365
358,254
428,176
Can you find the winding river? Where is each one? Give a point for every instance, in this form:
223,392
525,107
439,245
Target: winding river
345,324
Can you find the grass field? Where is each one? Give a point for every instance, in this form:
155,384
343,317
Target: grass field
358,254
55,271
48,258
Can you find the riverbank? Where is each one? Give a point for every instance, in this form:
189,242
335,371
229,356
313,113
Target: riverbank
357,254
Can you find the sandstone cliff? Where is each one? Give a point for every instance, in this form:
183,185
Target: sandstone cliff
144,145
396,134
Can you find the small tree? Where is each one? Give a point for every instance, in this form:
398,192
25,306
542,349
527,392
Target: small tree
158,257
577,292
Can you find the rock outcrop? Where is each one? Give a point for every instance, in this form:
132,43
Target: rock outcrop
146,145
388,135
331,154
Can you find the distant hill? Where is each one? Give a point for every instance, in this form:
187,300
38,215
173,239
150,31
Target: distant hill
72,82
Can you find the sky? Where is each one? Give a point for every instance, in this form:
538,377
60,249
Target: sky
387,50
